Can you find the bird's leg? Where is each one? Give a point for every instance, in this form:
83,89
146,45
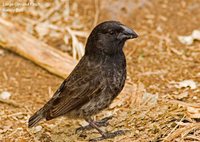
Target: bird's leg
93,125
100,123
104,135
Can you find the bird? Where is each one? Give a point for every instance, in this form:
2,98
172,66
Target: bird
96,80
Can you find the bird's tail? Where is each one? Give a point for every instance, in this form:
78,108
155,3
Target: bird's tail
35,118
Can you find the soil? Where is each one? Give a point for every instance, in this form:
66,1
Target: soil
156,59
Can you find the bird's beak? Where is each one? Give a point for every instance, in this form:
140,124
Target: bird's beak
127,33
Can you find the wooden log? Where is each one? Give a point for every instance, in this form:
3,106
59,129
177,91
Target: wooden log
24,44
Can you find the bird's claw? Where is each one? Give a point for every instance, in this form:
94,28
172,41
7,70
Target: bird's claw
108,135
100,123
104,121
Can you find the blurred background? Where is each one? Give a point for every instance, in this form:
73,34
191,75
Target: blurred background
42,40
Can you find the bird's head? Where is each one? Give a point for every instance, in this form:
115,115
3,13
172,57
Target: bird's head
109,37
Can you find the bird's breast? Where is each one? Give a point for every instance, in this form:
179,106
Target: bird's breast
114,72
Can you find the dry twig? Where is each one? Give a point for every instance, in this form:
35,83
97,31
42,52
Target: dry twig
10,102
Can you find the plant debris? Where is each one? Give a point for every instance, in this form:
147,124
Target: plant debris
187,83
5,95
188,40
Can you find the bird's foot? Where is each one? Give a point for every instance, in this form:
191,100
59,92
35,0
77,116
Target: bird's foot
100,123
103,122
108,135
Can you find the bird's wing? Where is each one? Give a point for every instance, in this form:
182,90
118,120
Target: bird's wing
83,83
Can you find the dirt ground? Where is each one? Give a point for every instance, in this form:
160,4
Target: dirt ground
157,62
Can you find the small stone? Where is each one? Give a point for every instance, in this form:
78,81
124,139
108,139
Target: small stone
187,40
5,95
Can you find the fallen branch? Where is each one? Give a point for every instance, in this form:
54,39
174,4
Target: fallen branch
24,44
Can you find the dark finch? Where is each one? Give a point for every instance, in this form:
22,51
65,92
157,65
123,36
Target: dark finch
96,80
